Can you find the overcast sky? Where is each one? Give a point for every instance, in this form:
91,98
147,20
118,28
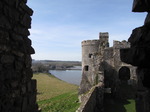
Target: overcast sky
59,26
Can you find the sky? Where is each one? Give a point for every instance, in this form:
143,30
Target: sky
59,26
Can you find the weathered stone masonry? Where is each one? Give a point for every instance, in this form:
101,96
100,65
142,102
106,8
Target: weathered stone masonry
17,89
103,73
139,55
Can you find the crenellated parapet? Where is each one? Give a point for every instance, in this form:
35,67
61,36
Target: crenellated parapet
90,42
122,44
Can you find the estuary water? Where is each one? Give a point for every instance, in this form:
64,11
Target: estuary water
70,76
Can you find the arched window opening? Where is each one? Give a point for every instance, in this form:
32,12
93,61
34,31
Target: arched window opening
124,73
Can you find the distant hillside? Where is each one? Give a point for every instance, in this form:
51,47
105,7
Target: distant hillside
74,63
45,65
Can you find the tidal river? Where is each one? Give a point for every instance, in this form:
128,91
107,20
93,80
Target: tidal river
70,76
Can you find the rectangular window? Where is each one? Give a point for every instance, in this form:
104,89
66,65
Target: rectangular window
90,55
86,68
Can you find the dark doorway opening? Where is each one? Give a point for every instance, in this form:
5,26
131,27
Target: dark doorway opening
124,73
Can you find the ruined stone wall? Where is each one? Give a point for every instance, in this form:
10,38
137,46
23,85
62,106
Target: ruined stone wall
17,89
93,100
117,45
139,55
104,69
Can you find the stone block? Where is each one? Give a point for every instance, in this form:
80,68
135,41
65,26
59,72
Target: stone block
27,41
1,67
18,102
32,99
29,73
29,86
26,21
136,56
11,3
135,36
24,89
28,61
1,6
26,9
18,65
4,22
5,48
147,20
141,6
4,37
7,59
25,105
16,37
25,1
146,78
146,40
21,30
28,47
34,86
17,53
12,13
31,51
8,66
14,84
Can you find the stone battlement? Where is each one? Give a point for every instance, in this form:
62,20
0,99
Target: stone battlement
123,44
103,35
90,42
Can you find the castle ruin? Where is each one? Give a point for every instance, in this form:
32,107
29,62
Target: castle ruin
102,67
18,90
92,95
101,63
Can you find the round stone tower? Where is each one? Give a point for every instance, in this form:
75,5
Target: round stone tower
89,48
92,52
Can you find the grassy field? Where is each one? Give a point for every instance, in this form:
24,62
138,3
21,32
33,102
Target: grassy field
55,95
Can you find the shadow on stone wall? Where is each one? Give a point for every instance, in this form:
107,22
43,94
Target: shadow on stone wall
115,105
120,91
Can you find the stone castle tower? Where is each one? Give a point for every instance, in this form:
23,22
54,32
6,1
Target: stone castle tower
101,63
90,60
103,69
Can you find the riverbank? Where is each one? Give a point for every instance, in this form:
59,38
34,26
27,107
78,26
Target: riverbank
55,95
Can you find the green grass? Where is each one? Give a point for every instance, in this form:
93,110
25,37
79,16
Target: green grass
55,95
67,102
120,105
124,103
130,107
